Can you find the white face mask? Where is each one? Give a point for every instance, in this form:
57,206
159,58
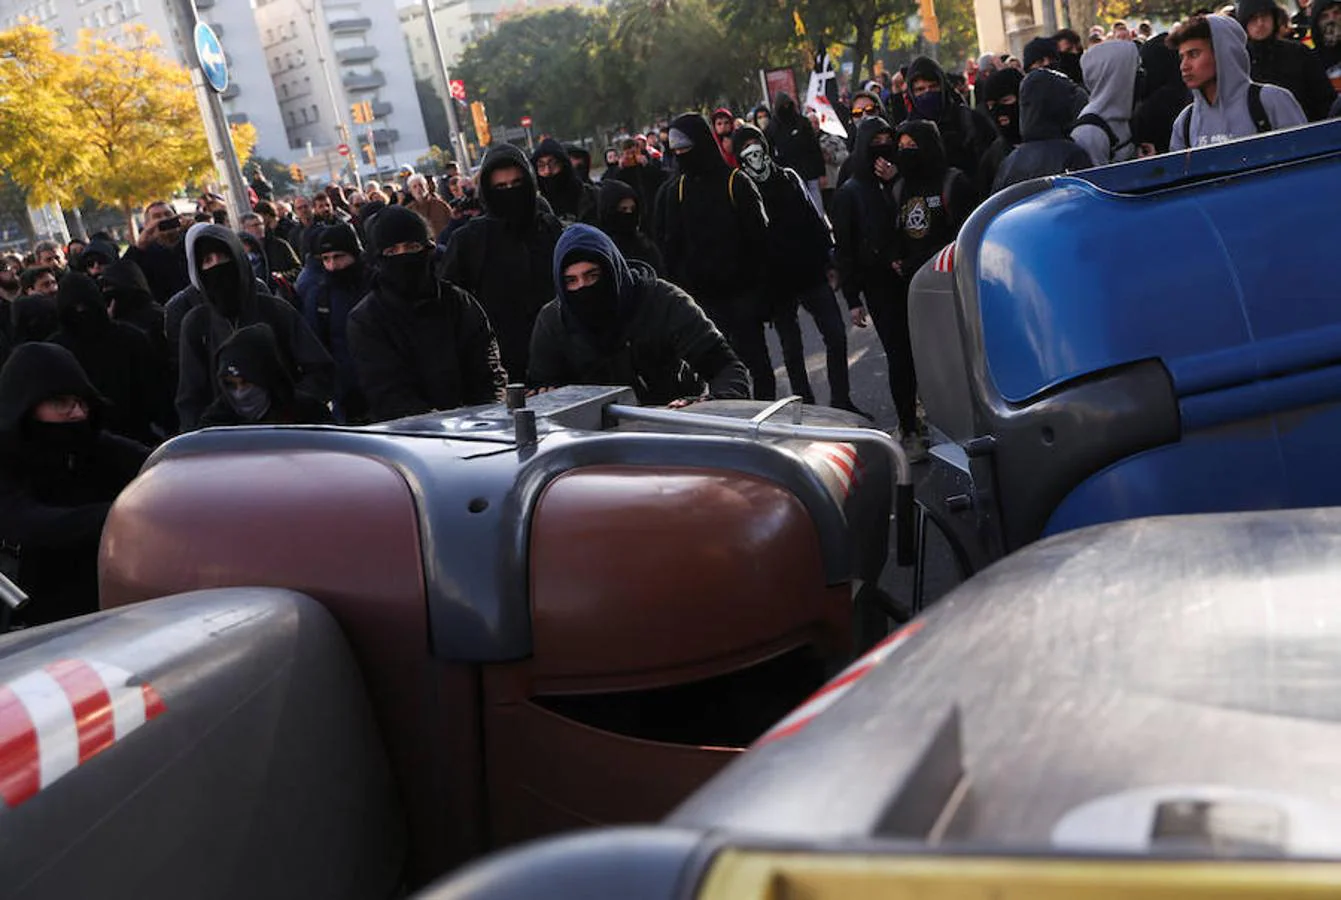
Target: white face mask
756,163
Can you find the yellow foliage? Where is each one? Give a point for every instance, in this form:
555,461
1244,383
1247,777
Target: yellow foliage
119,125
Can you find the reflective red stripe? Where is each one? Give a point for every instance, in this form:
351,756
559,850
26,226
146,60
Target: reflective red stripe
153,704
841,462
91,703
20,766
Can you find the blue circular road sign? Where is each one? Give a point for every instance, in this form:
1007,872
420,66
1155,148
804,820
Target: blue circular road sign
211,56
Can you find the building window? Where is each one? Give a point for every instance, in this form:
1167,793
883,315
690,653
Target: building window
293,119
284,89
274,64
269,36
316,116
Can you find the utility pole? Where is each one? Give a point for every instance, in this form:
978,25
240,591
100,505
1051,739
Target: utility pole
343,132
458,139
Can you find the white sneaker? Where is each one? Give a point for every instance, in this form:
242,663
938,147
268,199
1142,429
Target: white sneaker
913,447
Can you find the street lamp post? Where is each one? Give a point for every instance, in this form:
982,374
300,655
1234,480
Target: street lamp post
458,139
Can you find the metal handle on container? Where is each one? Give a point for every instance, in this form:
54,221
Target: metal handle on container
11,595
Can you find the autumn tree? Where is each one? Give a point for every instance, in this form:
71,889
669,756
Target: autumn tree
42,143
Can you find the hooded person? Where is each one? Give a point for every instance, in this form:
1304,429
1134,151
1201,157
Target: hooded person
1001,101
715,237
867,249
570,199
614,322
1069,51
1326,31
260,268
797,274
419,342
1226,103
130,300
1049,104
1103,128
222,276
339,280
502,258
117,359
1162,97
1040,53
580,157
97,256
619,217
256,388
645,178
59,473
1285,63
723,126
966,133
796,145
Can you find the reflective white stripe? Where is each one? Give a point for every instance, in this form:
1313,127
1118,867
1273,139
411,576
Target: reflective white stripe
810,709
54,722
127,702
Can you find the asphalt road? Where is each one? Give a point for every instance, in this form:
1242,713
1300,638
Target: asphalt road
870,392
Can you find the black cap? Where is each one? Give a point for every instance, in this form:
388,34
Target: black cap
340,238
397,225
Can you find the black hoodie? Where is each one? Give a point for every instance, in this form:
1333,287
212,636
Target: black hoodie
795,143
583,169
660,343
624,229
866,242
1163,95
117,359
252,354
1000,84
205,328
1049,104
56,488
713,226
502,258
1329,54
931,199
966,133
799,239
571,200
1288,64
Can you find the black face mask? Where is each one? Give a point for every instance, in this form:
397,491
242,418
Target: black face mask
409,275
347,276
512,204
9,281
911,163
623,222
222,286
887,152
597,308
1011,113
550,183
61,437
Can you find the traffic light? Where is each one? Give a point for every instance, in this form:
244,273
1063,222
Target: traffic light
481,123
296,174
369,154
363,113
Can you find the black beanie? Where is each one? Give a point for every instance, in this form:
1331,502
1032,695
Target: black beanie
1002,83
339,239
398,225
1038,48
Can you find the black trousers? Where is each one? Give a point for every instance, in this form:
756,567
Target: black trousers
820,302
741,321
886,296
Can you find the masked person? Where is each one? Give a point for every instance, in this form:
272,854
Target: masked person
580,157
1001,101
339,281
796,145
570,199
614,322
619,218
1103,128
1226,103
232,299
715,237
1162,96
255,387
797,272
117,359
965,132
502,258
97,255
867,255
1049,104
1284,63
59,473
1069,50
159,251
419,342
645,179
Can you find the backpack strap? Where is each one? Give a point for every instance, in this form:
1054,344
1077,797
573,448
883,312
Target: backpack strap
680,188
1098,121
1261,121
731,186
1187,127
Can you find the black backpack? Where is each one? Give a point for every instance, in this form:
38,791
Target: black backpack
1098,121
1261,121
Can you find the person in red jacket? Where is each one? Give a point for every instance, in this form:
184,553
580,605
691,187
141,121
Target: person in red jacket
723,126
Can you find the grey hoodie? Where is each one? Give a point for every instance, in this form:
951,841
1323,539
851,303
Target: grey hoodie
1110,74
1228,117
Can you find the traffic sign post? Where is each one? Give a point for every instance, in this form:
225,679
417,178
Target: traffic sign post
209,77
530,140
343,149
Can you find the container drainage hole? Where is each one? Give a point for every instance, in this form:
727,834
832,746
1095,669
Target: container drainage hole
478,505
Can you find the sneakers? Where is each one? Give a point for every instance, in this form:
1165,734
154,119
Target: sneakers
914,447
